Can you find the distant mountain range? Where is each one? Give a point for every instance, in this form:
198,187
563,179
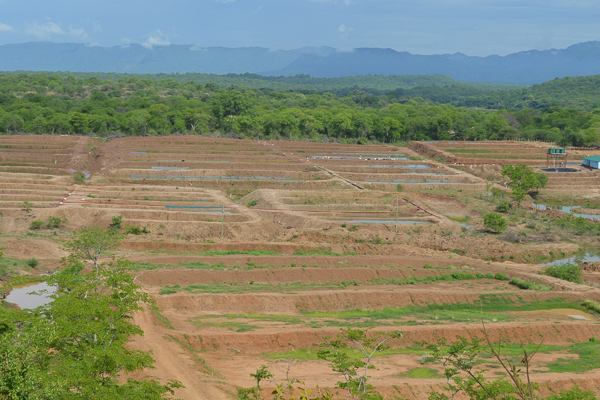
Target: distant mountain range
527,67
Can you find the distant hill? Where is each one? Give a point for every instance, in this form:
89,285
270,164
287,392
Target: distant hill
525,68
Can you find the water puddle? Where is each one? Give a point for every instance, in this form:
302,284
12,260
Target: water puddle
138,152
383,158
170,168
577,259
410,166
567,209
371,154
26,300
465,225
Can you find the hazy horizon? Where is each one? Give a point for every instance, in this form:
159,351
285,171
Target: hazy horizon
422,27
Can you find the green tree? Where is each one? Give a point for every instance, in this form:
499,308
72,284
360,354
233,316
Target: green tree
75,347
339,352
523,180
494,222
92,243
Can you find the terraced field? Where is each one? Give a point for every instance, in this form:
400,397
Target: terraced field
255,251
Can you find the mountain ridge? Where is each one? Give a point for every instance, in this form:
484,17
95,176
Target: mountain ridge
526,67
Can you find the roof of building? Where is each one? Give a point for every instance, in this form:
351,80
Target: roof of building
593,158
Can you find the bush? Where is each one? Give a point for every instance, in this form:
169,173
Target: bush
55,222
115,222
32,262
133,230
592,306
521,284
567,272
503,207
502,277
37,224
494,222
251,203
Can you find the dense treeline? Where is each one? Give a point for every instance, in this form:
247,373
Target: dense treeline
581,93
40,103
373,84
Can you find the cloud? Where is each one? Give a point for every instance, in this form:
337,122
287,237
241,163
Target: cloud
5,28
44,31
225,1
78,33
344,31
96,26
156,39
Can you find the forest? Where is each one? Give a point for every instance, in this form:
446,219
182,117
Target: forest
113,105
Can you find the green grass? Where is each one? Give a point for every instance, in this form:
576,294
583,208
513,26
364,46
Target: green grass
241,287
237,287
232,326
489,309
322,253
189,349
468,151
162,320
239,252
421,373
589,358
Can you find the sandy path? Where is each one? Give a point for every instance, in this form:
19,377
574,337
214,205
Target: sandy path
172,362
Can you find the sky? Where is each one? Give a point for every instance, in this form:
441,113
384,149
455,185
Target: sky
472,27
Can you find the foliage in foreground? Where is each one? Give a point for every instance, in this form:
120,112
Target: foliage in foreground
464,363
74,347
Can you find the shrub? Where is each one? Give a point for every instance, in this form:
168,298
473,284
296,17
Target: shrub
591,305
133,230
37,224
33,262
55,222
568,272
494,222
251,203
502,277
115,222
503,207
521,284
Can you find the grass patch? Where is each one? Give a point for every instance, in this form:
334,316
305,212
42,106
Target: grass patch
521,284
162,320
589,358
232,326
468,151
200,362
422,373
322,253
239,287
239,252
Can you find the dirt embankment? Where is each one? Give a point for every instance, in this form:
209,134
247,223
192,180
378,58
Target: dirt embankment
258,342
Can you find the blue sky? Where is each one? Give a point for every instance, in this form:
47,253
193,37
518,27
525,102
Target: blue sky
472,27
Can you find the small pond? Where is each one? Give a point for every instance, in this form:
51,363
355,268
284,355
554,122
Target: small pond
26,300
589,256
